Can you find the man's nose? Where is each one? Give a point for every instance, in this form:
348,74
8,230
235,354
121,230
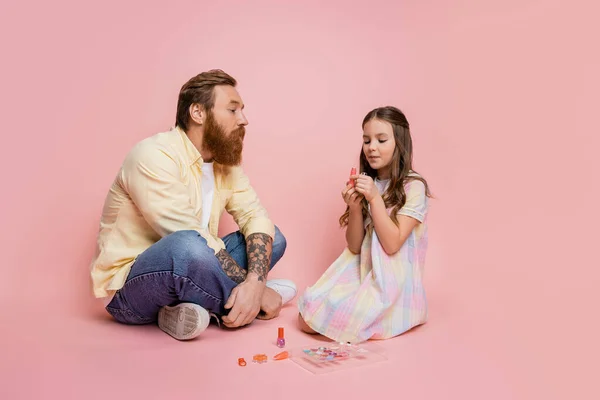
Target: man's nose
242,121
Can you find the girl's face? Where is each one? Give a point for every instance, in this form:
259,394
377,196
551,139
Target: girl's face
378,146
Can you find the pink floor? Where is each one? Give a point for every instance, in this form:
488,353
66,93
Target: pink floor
49,356
69,358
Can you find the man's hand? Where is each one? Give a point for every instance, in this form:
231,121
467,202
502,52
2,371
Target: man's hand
246,299
271,304
244,302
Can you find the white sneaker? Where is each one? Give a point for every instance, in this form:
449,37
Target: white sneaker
184,321
285,288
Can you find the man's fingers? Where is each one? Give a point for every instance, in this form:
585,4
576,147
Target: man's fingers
231,299
237,316
233,315
250,316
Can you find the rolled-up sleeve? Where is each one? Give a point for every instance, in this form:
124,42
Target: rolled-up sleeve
416,201
245,207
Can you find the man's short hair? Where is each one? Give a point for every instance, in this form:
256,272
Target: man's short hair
200,89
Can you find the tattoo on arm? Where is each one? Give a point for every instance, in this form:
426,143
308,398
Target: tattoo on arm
232,270
259,247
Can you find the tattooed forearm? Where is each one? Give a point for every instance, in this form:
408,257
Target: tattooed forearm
232,270
259,247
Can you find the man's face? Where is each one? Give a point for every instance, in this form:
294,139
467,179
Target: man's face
224,127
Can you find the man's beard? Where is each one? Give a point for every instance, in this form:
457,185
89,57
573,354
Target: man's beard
226,150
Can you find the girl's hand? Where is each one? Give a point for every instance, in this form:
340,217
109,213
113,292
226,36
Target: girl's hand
352,197
366,187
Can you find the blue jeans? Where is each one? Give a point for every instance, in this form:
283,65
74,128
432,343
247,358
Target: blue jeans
181,268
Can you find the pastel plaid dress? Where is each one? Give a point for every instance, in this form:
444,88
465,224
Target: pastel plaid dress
373,295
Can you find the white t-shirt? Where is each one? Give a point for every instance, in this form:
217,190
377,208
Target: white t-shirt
208,191
381,184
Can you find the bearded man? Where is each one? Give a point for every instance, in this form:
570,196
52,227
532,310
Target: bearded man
158,257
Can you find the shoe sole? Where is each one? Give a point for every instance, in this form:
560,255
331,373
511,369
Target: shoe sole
184,321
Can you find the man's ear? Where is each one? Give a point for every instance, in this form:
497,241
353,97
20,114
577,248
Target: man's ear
197,113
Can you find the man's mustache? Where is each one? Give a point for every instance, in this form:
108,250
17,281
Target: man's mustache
239,132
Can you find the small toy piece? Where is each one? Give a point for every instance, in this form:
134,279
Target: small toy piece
336,353
259,358
281,356
280,338
241,362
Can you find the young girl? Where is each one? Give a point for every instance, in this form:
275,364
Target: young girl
374,290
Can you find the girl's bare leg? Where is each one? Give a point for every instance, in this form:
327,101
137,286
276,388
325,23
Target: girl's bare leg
304,327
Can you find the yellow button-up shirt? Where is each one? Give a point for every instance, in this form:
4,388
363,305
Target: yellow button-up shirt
158,191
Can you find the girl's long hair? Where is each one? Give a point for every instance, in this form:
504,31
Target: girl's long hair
401,168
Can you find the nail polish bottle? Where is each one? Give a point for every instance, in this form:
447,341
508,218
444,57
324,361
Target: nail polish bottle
280,338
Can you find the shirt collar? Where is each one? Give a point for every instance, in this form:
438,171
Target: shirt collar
192,153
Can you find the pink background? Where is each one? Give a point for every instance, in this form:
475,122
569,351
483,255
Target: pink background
502,98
